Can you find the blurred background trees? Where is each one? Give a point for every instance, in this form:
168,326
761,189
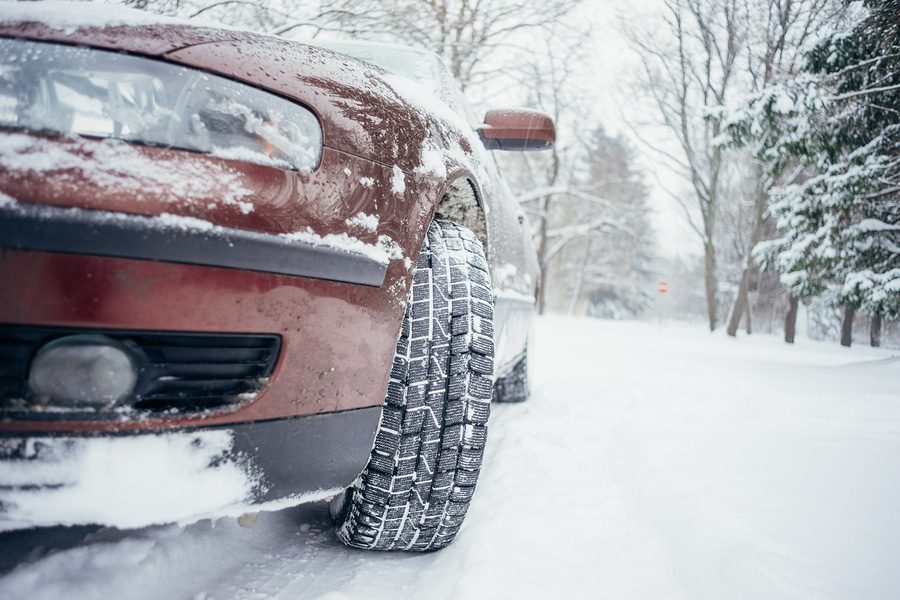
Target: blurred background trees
772,125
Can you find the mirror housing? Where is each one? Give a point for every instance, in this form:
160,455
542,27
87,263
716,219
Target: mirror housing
517,129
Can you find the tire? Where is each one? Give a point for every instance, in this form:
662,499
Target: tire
513,387
421,475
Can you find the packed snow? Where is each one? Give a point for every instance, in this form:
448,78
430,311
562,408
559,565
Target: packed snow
653,460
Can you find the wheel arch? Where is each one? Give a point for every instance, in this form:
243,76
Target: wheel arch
461,201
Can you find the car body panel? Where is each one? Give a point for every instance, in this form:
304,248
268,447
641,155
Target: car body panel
337,338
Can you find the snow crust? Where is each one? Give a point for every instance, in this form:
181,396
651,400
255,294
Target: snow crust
652,461
384,251
185,223
398,181
363,221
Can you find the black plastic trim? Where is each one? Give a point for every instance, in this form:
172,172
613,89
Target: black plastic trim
514,145
99,233
305,454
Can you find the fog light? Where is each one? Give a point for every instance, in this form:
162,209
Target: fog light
83,369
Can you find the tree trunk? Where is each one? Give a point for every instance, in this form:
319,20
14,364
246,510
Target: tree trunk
759,215
875,331
847,326
712,286
790,320
740,304
542,261
749,322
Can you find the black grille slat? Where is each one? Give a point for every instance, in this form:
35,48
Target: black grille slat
206,386
208,355
181,371
190,403
205,370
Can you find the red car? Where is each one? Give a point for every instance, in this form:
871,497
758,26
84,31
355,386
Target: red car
241,273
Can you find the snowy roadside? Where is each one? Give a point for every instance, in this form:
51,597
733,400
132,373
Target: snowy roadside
652,461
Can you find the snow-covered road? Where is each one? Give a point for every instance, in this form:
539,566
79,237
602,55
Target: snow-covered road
652,462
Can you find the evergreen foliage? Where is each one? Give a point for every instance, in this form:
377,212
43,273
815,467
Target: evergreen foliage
832,136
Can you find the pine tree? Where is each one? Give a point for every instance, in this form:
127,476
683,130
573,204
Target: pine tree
862,149
832,133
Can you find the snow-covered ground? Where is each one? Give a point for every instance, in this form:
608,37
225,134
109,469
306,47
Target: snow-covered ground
652,462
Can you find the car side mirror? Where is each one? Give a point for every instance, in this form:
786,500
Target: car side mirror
517,129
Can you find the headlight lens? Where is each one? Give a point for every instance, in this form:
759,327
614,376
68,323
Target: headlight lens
71,90
83,370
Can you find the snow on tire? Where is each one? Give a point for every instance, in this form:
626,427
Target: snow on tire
416,489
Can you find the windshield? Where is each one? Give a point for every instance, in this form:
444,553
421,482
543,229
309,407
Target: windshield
420,66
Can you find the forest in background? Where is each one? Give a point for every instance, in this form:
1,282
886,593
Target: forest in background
778,119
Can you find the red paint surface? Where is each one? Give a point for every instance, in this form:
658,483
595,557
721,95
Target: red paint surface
519,124
338,339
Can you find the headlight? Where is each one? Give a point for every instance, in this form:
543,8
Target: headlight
83,370
81,91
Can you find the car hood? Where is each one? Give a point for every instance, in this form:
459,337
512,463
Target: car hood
364,111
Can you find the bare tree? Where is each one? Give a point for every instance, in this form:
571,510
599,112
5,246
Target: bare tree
689,70
466,33
550,78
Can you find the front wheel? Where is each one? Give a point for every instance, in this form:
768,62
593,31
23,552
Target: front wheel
421,475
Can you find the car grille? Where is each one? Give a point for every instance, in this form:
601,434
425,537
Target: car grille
179,372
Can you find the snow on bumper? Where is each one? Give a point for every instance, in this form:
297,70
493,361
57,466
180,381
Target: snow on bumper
121,481
132,481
